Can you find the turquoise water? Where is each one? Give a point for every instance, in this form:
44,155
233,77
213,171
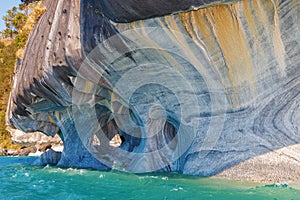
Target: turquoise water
19,180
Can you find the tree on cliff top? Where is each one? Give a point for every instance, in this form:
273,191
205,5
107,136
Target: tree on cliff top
14,20
26,2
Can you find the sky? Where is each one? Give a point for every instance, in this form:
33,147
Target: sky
4,6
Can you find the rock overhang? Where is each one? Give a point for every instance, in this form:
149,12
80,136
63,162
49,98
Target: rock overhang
133,10
250,73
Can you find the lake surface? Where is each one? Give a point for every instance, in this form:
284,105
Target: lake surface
19,180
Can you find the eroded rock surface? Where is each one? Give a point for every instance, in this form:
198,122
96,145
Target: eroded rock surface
50,157
197,91
33,139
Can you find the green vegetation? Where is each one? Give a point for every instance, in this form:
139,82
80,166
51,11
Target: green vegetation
7,62
19,22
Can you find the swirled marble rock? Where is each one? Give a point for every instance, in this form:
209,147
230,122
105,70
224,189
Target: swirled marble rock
195,87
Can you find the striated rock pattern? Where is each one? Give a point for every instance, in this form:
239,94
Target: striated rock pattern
50,157
194,87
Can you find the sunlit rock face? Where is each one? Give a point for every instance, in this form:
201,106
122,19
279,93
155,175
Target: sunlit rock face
144,86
